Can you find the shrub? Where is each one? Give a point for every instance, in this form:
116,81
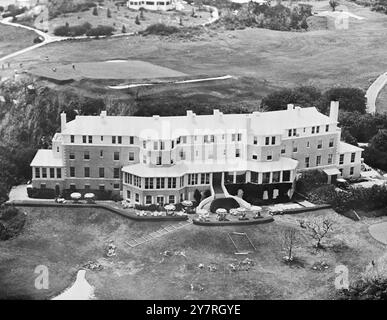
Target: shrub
12,222
310,180
225,203
100,31
160,29
41,193
73,31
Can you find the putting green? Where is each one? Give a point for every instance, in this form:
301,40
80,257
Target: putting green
113,69
379,232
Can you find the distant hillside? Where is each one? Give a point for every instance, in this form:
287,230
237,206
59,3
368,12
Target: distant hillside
57,7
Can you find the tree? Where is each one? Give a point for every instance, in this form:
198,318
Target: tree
350,99
137,20
289,238
95,11
142,17
318,229
197,196
347,137
108,14
333,4
123,30
305,96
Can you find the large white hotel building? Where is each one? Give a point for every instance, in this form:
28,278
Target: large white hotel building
165,159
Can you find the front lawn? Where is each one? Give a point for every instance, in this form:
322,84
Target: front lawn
65,239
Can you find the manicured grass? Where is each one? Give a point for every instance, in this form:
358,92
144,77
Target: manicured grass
13,39
131,69
65,239
324,58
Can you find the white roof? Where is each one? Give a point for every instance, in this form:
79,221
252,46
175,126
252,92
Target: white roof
346,148
331,171
273,122
182,168
45,158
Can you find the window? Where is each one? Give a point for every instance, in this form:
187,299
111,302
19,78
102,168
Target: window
269,157
72,139
182,181
119,138
148,200
330,158
295,149
158,161
116,156
162,145
318,161
90,139
128,195
353,156
86,155
101,153
87,172
285,176
84,139
101,138
193,179
317,129
72,172
155,145
266,177
37,173
57,149
160,183
72,186
182,155
307,162
205,139
254,177
294,132
331,141
319,144
184,139
237,153
341,159
148,183
116,186
52,173
351,170
131,156
283,150
144,144
171,183
255,140
239,137
116,173
272,140
327,128
113,139
171,199
308,144
101,187
313,129
87,187
255,157
290,133
276,176
58,173
102,172
233,137
71,156
267,141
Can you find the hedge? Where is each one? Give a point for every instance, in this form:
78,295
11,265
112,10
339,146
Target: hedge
36,193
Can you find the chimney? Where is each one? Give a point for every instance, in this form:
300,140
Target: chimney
290,106
156,117
218,114
334,111
103,114
190,114
256,113
62,121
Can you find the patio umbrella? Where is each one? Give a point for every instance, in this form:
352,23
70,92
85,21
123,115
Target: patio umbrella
187,203
89,196
221,211
241,209
256,208
76,196
170,207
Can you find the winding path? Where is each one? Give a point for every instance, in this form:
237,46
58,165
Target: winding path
373,92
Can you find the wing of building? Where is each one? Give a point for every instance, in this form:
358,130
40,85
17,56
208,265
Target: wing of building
165,159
